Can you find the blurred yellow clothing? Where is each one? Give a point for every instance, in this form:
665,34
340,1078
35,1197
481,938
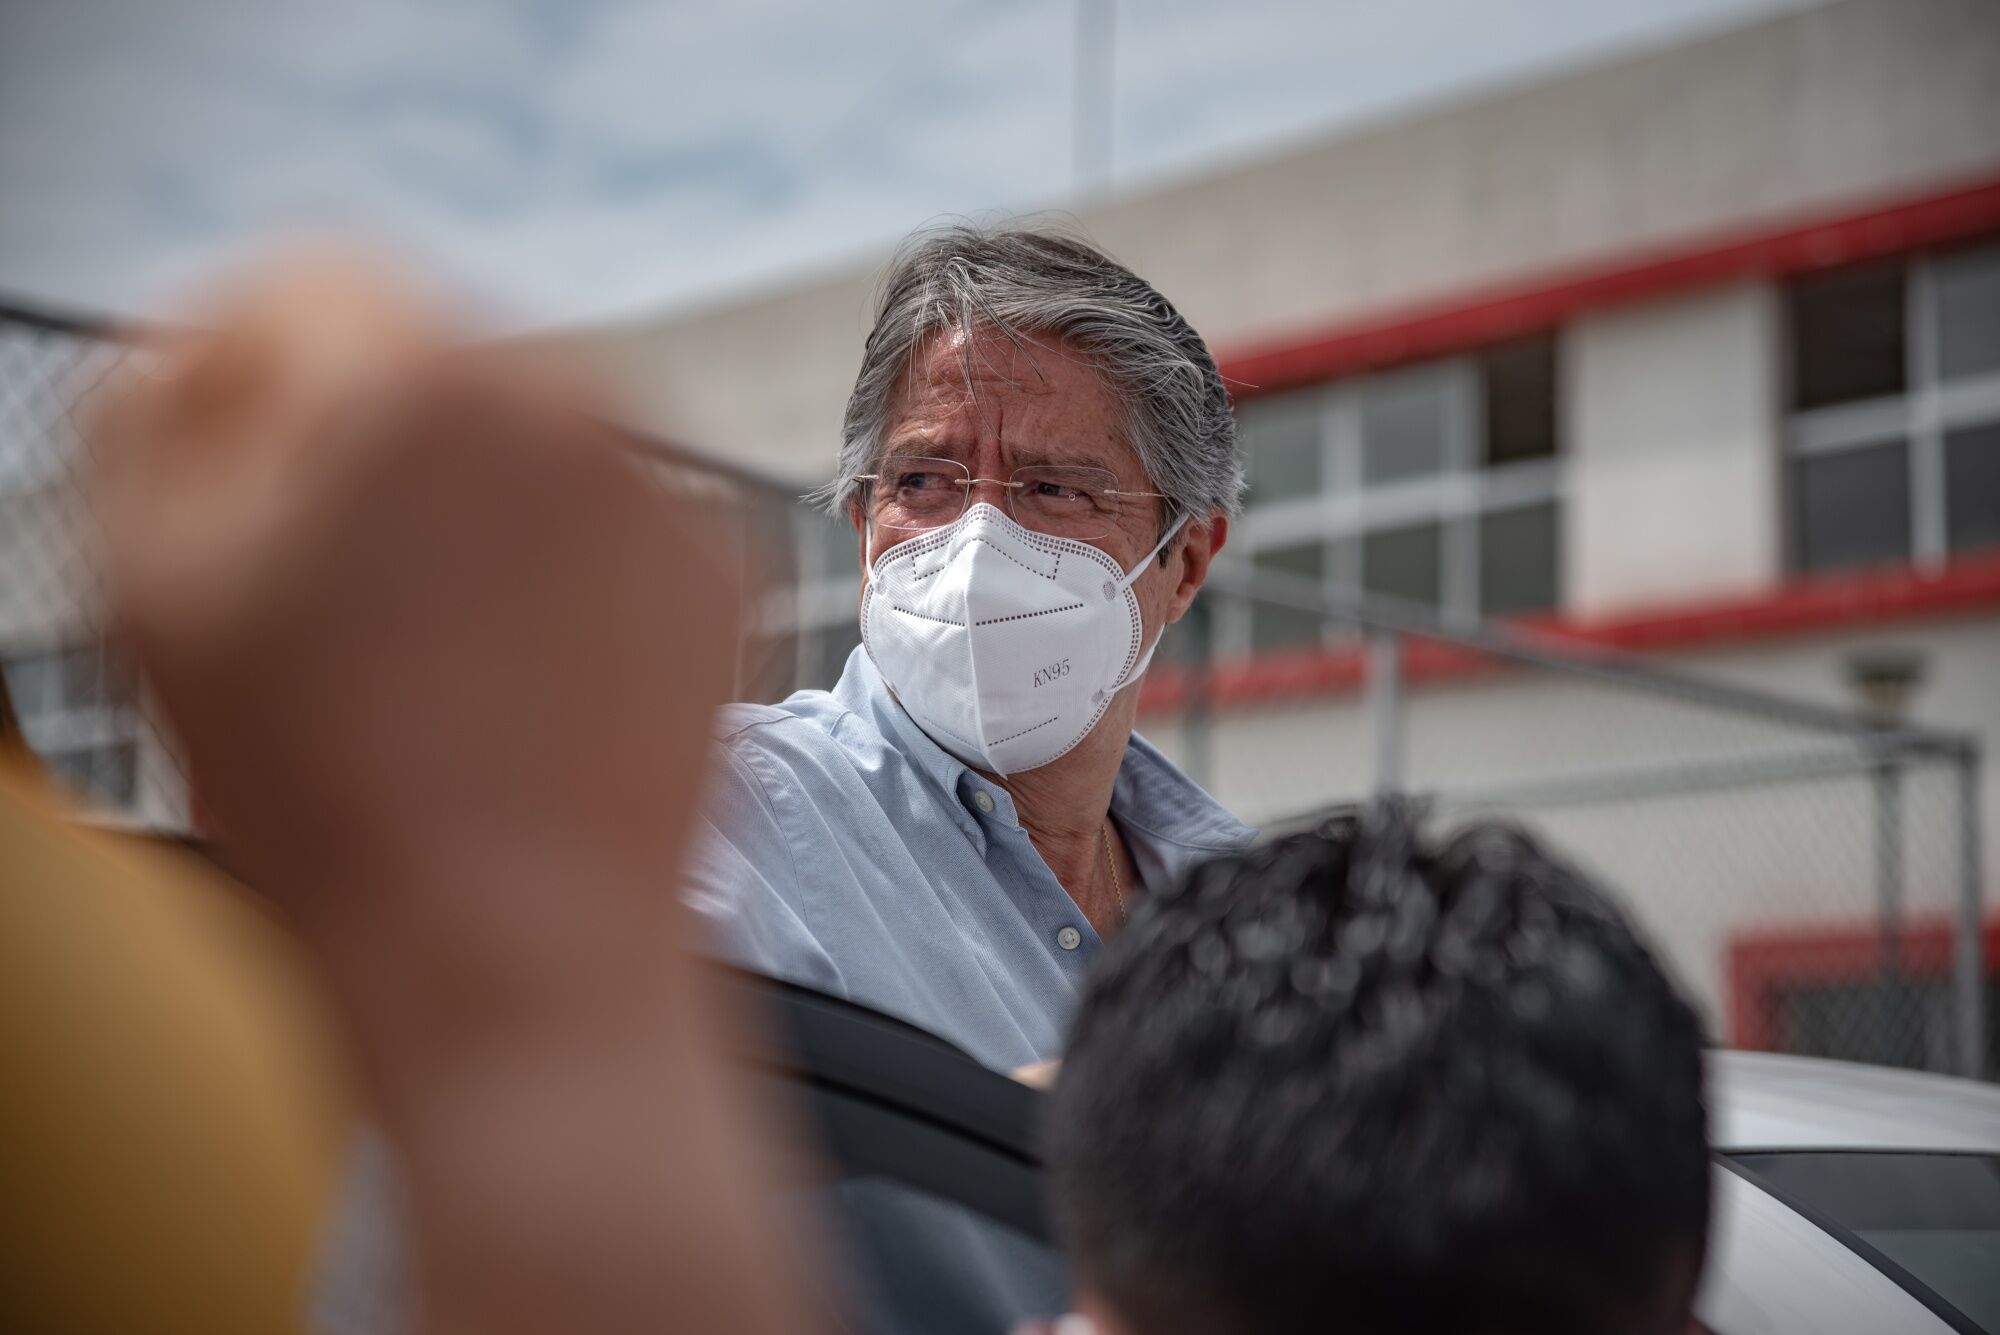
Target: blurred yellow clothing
173,1114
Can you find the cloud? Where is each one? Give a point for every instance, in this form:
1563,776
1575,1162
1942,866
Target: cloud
576,158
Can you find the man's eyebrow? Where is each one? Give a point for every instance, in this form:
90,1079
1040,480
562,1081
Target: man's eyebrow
1032,456
918,447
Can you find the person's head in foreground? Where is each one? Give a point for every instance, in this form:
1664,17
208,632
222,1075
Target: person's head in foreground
1356,1081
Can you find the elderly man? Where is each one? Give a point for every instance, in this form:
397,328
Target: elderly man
1039,459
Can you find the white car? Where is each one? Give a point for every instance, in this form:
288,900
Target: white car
1850,1200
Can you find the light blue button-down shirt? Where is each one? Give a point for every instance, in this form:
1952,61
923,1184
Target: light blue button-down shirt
846,850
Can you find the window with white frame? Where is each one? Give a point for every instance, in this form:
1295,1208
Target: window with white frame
1894,449
76,715
1438,483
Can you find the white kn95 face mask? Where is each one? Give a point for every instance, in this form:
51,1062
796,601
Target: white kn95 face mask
1005,645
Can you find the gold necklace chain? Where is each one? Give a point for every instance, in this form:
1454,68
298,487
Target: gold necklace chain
1111,865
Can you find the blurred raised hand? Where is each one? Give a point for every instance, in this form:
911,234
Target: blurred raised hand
441,658
401,599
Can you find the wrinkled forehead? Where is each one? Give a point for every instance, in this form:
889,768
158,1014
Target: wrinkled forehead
1033,396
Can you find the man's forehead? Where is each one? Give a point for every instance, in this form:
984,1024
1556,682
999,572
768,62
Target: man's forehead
949,363
1040,400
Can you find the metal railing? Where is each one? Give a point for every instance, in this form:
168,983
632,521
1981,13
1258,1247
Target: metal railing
1799,864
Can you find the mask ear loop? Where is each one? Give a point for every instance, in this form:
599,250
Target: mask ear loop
1112,588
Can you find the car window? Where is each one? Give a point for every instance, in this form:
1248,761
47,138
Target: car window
1933,1217
908,1262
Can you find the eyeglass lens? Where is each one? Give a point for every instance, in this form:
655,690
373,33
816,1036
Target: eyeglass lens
1061,500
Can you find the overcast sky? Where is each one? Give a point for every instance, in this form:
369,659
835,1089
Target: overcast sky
578,159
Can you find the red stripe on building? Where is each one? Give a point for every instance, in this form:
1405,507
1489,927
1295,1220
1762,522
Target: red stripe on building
1767,963
1805,606
1797,246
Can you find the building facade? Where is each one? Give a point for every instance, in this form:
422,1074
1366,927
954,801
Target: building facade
1695,353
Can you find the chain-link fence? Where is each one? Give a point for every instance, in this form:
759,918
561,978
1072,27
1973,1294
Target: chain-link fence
1812,874
79,711
76,709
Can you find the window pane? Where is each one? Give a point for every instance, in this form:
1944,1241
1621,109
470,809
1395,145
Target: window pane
1520,382
1190,640
1852,508
1403,421
826,652
911,1261
1968,299
1847,335
82,673
1518,560
28,681
839,547
1280,441
105,773
1972,487
1403,562
1284,627
114,773
1935,1215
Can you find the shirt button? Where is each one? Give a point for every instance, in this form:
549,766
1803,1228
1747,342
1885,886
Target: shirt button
1069,938
983,800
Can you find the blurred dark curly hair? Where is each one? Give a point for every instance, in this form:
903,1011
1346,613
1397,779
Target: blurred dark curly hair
1355,1081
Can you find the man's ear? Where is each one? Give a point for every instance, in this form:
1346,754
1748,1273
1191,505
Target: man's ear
1198,544
861,533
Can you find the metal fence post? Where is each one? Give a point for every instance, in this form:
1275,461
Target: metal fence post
1385,708
1897,1048
1967,982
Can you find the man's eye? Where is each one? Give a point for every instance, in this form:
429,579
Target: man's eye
924,482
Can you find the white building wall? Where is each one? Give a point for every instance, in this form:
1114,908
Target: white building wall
1670,415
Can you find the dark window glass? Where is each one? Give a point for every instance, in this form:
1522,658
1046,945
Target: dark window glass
1284,627
82,677
1935,1215
114,773
28,682
827,650
1518,559
1403,420
1189,640
1968,301
909,1261
1847,335
839,547
1520,392
1972,488
1280,441
1404,562
1851,507
106,773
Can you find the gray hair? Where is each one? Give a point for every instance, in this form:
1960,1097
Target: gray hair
1032,280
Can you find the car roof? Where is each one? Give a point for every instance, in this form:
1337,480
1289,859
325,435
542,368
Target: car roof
1763,1101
